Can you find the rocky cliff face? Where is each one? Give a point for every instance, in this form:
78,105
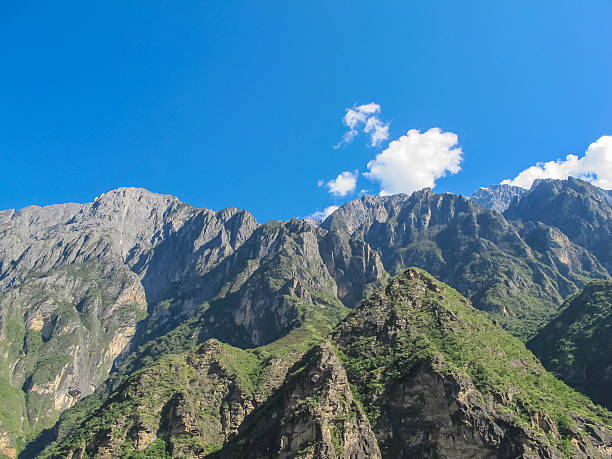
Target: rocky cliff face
438,379
76,281
415,371
190,403
580,210
577,344
519,273
497,197
314,414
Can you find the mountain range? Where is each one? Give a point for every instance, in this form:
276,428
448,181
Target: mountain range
139,326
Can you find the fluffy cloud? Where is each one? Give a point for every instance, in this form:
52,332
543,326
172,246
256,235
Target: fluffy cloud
322,214
415,160
595,166
364,118
344,184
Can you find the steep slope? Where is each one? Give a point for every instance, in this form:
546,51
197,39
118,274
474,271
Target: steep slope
580,210
85,286
76,280
519,277
186,403
434,378
182,402
438,379
607,194
497,197
577,345
314,414
284,271
287,280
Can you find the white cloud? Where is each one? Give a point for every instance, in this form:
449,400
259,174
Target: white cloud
344,184
364,118
369,108
353,117
595,166
347,137
415,160
322,214
379,131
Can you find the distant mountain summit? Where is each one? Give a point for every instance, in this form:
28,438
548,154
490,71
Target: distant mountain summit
518,271
497,197
577,208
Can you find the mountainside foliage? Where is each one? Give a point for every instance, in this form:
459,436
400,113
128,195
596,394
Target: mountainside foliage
577,345
415,371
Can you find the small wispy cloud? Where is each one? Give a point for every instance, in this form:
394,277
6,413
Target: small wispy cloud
595,167
364,118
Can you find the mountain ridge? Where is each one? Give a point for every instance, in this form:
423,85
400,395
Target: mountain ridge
134,276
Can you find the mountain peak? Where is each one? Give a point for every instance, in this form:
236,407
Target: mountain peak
497,197
425,365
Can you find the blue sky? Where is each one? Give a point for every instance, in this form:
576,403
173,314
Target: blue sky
241,103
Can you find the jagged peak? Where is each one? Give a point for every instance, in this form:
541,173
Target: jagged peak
229,212
126,195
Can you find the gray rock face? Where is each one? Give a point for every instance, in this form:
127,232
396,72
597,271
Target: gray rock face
313,416
76,279
580,210
82,285
497,197
500,265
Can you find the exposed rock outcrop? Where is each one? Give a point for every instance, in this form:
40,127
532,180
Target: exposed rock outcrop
415,371
580,210
77,280
438,379
314,415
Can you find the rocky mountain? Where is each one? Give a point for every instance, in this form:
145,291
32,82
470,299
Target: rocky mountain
84,286
577,344
76,282
97,299
497,197
519,272
415,371
578,209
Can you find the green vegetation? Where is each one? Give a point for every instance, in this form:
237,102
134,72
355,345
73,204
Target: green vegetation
169,370
156,450
428,324
577,345
64,309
